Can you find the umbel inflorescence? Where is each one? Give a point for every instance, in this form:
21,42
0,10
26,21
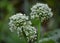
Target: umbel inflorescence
20,23
41,11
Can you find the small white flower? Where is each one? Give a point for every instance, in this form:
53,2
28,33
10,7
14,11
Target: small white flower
42,11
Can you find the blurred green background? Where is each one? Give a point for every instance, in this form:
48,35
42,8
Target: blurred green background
10,7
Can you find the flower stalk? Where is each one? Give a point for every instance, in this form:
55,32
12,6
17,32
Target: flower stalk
38,31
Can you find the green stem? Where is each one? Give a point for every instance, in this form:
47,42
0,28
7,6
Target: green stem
38,31
37,22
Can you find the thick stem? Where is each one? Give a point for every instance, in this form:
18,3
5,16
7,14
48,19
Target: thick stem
37,22
38,31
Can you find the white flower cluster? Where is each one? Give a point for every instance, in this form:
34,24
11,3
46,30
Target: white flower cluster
41,10
20,23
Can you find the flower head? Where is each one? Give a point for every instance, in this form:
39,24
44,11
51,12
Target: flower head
20,23
41,10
